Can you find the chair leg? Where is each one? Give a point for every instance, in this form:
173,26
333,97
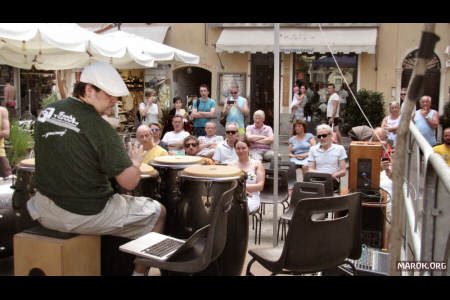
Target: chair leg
278,229
256,226
260,225
247,272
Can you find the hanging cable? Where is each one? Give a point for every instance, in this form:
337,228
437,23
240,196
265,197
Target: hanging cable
351,92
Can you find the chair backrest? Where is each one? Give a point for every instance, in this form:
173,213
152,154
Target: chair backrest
325,178
291,169
217,234
304,190
282,180
312,246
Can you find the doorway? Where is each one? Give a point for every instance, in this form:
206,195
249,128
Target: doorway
187,80
431,80
261,86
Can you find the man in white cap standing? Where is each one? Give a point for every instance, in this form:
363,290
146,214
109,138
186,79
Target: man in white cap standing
76,153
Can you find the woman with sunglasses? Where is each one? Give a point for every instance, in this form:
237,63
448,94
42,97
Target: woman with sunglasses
299,144
155,130
236,108
255,173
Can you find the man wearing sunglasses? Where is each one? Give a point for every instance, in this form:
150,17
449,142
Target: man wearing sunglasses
192,148
156,131
327,157
225,152
236,108
145,138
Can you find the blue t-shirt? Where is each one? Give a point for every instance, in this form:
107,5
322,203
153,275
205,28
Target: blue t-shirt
235,115
203,106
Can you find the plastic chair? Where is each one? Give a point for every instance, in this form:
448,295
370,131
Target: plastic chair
325,178
301,191
266,194
313,246
291,169
207,248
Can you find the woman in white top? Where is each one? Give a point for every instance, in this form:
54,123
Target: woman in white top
150,109
391,123
255,174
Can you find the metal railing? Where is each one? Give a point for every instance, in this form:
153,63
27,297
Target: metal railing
427,205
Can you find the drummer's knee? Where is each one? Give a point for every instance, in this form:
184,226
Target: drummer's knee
159,226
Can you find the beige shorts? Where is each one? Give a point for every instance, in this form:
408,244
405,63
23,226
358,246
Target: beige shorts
123,215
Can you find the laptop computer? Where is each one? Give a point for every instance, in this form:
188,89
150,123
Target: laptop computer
161,247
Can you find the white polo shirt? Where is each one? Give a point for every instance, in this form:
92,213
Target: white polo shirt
327,161
225,153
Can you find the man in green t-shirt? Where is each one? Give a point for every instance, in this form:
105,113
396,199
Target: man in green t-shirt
77,152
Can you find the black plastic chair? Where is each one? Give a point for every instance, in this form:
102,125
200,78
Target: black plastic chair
313,246
325,178
301,191
207,248
266,194
256,222
291,169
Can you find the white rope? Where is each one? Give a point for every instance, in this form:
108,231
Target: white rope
351,92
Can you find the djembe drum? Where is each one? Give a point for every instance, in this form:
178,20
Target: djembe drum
200,186
148,186
169,167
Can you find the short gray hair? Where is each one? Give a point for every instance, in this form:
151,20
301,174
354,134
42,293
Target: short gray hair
232,123
324,127
259,113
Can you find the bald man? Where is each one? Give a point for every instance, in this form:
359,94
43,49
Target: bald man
145,138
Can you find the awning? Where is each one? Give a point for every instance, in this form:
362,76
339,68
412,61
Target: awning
154,33
298,40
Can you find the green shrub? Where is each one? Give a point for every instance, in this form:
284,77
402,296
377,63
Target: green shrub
371,103
49,99
21,141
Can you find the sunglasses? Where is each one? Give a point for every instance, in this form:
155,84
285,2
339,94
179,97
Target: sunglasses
319,136
234,93
230,132
188,145
154,129
402,94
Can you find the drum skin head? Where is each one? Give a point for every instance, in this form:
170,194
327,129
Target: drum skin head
147,169
29,162
213,171
178,159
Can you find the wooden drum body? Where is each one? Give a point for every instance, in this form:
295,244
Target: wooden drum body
23,186
200,186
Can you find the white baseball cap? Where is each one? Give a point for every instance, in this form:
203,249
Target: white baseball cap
105,77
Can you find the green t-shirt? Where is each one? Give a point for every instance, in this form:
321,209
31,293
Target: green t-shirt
77,152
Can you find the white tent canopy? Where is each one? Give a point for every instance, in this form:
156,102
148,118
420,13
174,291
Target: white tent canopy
67,46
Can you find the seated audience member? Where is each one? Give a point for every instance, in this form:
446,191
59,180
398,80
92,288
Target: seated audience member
225,152
255,173
191,148
380,135
299,144
327,157
145,138
174,139
155,129
444,149
209,142
260,137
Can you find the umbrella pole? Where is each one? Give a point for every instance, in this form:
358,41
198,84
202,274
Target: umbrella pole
276,125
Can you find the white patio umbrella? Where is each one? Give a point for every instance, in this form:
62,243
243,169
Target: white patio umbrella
51,46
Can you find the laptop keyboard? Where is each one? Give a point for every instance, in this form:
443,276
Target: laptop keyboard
163,248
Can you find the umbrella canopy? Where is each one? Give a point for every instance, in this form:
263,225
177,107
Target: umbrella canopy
67,46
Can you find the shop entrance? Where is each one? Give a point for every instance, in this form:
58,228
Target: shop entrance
261,94
35,85
187,80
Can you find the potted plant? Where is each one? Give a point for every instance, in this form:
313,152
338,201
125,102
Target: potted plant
20,143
